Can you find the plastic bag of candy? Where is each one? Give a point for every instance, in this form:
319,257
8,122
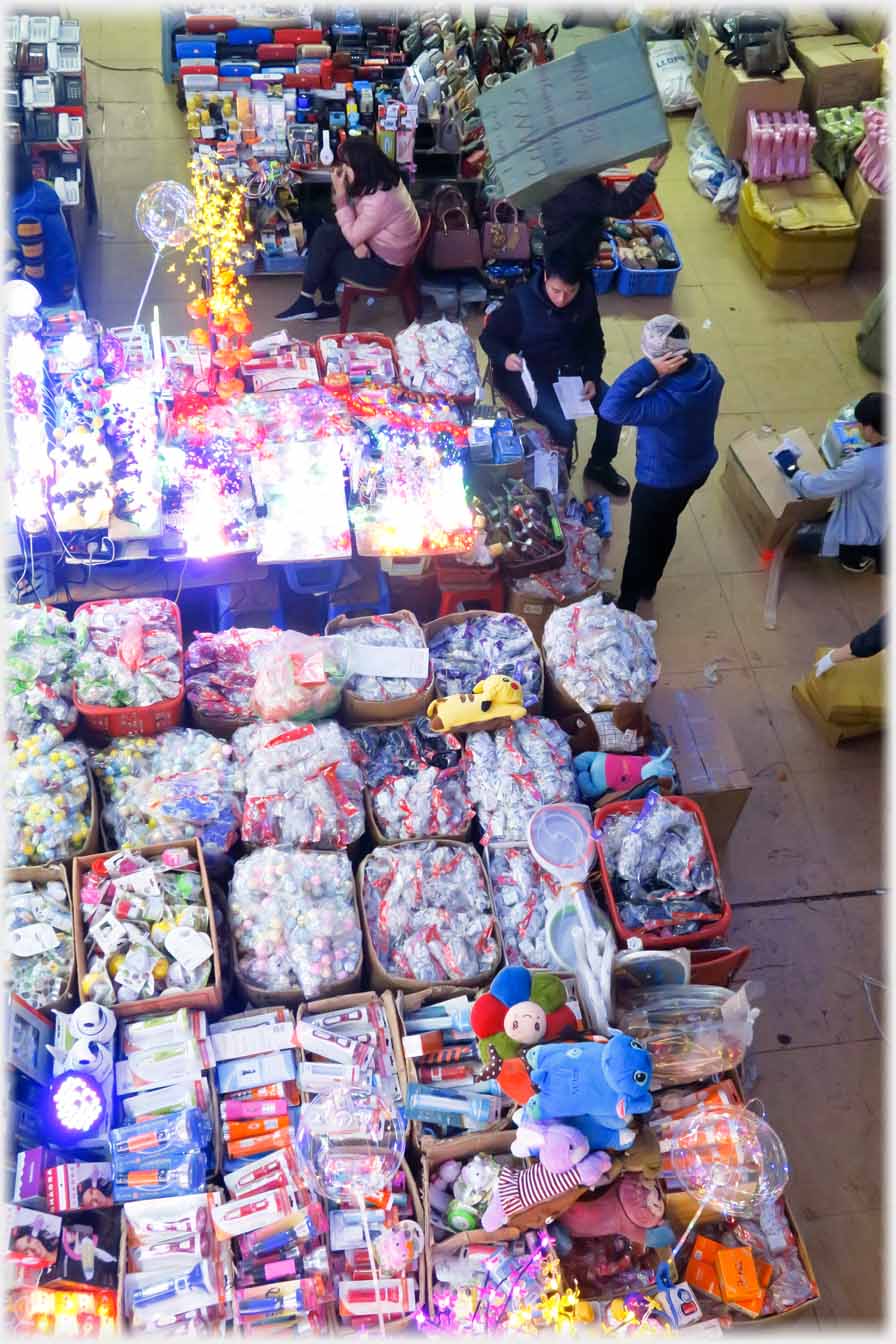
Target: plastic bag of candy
486,644
129,652
40,656
599,655
515,770
294,920
47,798
524,895
156,789
300,677
416,781
428,911
397,630
146,927
662,873
302,784
220,670
438,357
39,947
691,1031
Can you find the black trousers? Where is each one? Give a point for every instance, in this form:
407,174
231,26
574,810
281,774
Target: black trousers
547,412
651,538
331,259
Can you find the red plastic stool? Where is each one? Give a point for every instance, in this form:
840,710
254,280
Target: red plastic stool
479,584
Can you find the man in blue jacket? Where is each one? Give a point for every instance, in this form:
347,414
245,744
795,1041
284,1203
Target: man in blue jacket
672,396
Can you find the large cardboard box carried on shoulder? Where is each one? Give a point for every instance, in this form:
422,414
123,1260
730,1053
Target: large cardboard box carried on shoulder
869,208
799,232
840,71
590,110
729,94
765,501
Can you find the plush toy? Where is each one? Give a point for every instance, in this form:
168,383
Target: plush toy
643,1157
623,729
594,1086
558,1147
520,1192
520,1009
494,703
474,1187
599,772
631,1207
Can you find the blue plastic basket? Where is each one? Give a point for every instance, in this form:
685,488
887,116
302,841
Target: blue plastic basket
660,281
604,280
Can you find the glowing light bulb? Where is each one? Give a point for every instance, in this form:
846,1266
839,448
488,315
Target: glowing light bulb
76,350
20,298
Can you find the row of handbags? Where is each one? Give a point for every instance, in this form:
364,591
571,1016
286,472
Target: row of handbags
456,244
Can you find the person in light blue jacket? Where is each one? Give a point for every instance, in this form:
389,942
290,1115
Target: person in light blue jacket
857,526
672,395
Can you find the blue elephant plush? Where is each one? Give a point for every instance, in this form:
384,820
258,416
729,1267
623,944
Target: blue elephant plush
600,772
594,1086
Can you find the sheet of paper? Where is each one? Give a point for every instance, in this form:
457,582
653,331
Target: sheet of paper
388,660
545,471
572,402
528,384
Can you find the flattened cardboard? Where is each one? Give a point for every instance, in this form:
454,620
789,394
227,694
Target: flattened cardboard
706,757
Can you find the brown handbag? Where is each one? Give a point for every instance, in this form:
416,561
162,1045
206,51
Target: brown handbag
503,239
453,242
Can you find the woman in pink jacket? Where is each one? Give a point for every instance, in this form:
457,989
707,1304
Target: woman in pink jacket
376,230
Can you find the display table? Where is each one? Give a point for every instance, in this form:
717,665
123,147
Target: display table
767,504
145,576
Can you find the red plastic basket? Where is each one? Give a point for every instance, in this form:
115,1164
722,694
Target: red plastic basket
367,337
713,929
134,720
651,209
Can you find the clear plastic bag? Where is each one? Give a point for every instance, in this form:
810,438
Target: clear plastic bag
713,175
300,678
692,1032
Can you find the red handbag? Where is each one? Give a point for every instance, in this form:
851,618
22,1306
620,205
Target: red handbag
505,239
453,242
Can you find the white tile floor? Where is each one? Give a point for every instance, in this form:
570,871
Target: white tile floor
804,864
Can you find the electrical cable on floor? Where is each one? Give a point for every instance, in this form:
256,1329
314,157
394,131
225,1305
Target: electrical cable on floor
869,982
126,69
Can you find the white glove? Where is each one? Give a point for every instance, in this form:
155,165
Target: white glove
824,665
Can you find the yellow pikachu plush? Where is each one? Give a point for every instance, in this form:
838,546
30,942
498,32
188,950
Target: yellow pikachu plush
494,703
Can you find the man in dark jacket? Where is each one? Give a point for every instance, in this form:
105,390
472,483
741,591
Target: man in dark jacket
577,215
672,396
552,324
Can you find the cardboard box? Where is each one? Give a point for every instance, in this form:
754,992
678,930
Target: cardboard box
839,71
432,628
39,877
536,609
381,979
729,94
210,997
868,25
799,232
706,756
550,125
764,499
869,208
357,713
705,45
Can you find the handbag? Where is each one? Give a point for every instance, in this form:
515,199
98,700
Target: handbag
453,242
505,239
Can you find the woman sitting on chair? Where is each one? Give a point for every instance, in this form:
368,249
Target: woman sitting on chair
552,324
375,234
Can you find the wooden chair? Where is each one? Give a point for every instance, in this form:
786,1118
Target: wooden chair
405,286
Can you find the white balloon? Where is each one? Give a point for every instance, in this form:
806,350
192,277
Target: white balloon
164,213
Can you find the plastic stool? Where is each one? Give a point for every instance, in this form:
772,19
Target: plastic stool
717,966
232,609
316,578
376,606
476,584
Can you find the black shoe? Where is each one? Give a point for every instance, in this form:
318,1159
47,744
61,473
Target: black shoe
303,308
325,311
607,476
857,566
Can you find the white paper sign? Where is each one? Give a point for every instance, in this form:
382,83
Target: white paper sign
388,660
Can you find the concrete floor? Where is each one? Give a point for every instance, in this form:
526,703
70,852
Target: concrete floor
804,867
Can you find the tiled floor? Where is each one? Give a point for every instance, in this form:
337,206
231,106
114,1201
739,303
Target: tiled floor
804,865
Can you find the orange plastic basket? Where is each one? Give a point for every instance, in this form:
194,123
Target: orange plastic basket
714,928
651,209
363,337
134,720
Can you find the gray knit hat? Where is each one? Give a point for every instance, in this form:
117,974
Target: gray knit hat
655,338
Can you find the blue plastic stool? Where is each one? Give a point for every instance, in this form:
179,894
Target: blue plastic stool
377,606
316,578
228,616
